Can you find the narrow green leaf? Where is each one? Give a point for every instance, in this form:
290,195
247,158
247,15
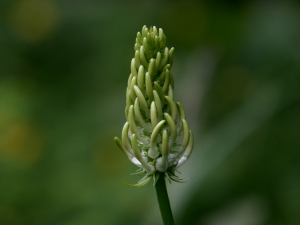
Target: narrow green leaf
137,185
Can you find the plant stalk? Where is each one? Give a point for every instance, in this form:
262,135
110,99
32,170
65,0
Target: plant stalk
163,200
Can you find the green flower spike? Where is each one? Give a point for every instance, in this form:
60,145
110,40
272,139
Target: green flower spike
156,136
155,121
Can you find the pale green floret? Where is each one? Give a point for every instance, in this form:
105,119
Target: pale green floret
131,120
184,143
161,34
173,108
133,68
137,59
153,152
142,100
173,130
158,60
185,133
181,115
181,111
140,38
170,60
125,139
167,81
144,31
187,153
132,93
141,79
161,163
149,88
153,114
129,101
152,69
158,105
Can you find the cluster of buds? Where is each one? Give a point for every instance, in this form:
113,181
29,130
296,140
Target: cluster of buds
152,133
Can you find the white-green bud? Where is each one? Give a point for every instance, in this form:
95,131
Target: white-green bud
162,162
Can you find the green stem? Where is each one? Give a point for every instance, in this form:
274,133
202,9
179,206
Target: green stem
163,200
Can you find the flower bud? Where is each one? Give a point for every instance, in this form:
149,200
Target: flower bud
150,135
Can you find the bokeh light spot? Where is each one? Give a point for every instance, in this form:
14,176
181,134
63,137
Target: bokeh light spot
21,143
33,20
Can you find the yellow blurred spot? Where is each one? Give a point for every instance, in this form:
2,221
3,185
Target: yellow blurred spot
33,20
107,156
9,214
21,143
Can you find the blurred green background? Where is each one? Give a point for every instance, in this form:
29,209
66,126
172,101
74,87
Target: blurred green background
64,67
